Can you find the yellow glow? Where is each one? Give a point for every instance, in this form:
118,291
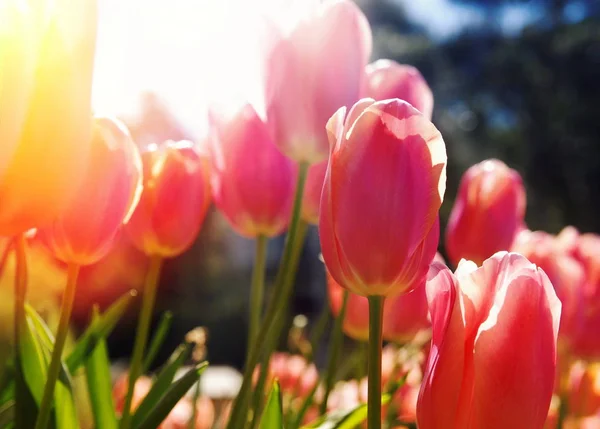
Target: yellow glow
188,51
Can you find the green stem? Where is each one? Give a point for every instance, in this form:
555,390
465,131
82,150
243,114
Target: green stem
375,344
141,337
271,345
281,296
336,343
257,290
59,343
21,391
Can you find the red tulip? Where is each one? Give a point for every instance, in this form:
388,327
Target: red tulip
174,201
311,200
313,71
253,182
356,321
493,354
110,190
47,57
487,214
388,79
383,188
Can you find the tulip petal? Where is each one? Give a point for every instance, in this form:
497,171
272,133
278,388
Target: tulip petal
443,374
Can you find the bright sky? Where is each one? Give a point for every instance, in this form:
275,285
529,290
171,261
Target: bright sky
193,51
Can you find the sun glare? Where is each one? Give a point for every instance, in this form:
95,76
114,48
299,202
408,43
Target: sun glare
189,52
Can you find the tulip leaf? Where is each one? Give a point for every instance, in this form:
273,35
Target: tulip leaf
172,396
344,419
97,330
272,417
162,382
97,373
65,410
7,413
158,339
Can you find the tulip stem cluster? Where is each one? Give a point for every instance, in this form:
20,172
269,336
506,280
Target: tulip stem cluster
59,344
143,328
257,290
337,338
375,344
276,309
19,322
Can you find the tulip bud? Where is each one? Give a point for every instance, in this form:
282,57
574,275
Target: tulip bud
110,189
493,354
487,214
174,201
356,321
584,389
383,188
311,199
325,55
48,133
253,182
388,79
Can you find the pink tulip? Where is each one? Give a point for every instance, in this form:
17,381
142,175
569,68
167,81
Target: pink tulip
405,316
356,322
252,181
584,341
174,201
110,190
313,71
487,214
388,79
493,356
383,188
563,270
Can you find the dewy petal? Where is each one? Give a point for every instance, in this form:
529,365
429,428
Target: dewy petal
439,394
515,355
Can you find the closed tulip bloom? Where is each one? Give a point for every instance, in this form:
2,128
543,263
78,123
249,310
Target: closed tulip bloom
252,181
311,72
493,355
174,201
383,188
111,187
356,320
564,271
388,79
487,214
406,315
45,106
311,199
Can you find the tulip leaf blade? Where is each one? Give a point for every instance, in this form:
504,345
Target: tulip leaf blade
99,386
162,382
98,329
272,417
172,396
158,339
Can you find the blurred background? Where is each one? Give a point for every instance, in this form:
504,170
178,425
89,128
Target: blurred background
515,80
